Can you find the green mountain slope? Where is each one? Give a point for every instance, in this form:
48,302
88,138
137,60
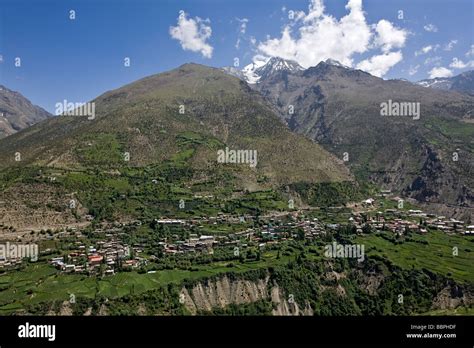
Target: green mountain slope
156,141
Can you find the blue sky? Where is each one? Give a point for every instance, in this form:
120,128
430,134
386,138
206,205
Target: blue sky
82,58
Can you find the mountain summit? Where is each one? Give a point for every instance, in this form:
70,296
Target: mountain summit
335,63
263,69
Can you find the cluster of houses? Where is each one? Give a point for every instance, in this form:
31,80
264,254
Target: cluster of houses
192,244
105,256
275,230
110,254
415,220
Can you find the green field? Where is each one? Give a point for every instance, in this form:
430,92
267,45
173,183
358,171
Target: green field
436,256
41,283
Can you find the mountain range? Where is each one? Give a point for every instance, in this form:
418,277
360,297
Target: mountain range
17,112
429,159
462,83
169,128
315,125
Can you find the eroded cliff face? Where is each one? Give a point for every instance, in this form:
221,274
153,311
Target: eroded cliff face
451,297
222,292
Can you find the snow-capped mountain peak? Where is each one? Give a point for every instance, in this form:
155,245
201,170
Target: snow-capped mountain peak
276,64
439,83
334,62
463,83
262,68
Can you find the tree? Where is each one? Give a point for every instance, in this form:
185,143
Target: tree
300,234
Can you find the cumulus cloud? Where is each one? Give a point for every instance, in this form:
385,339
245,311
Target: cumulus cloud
316,10
314,36
459,64
431,28
379,65
192,34
440,72
388,36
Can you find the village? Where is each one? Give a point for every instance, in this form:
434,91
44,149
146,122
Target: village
110,254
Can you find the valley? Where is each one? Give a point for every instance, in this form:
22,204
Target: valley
193,193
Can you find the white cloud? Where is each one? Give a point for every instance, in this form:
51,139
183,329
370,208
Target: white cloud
440,72
388,36
459,64
315,36
449,46
413,70
243,24
296,16
424,50
193,34
242,30
379,65
470,53
316,10
431,28
427,49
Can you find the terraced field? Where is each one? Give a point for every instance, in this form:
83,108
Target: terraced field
433,251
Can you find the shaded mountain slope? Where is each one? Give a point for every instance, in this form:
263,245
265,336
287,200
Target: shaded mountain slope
340,108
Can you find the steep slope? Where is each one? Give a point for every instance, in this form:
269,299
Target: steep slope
148,117
17,112
157,141
429,158
462,83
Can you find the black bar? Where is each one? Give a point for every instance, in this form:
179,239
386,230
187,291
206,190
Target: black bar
211,330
